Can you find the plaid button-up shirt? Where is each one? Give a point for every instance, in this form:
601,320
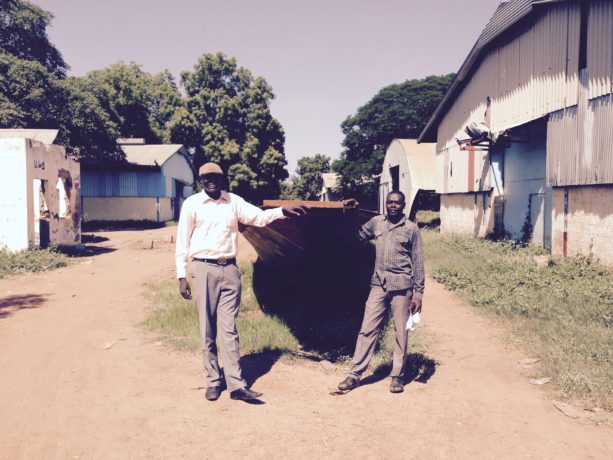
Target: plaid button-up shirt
399,260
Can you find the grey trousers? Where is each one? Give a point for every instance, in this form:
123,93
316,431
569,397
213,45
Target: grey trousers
217,292
374,315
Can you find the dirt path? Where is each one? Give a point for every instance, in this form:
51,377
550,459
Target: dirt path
79,380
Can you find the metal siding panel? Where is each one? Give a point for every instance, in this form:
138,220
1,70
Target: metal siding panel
600,47
580,146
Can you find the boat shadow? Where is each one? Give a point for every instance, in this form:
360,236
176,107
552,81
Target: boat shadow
320,298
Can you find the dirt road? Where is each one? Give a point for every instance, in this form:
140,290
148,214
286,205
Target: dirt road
80,380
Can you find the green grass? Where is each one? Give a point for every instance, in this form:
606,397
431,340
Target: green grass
31,260
563,312
176,320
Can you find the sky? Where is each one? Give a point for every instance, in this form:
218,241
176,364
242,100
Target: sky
323,58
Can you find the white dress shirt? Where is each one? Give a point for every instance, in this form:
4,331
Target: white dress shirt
208,228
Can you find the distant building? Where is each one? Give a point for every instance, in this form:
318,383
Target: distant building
39,191
524,135
150,185
410,168
329,187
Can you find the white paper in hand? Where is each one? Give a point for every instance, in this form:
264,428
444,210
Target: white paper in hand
413,321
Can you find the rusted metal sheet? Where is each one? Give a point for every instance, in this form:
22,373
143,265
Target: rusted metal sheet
311,204
327,231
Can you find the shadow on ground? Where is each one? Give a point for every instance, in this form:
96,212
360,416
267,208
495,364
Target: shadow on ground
419,368
255,365
10,304
321,301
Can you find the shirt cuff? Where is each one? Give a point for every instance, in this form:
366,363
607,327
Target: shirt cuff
181,273
418,295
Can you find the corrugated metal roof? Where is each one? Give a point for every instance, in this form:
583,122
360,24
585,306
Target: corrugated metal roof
152,154
420,158
506,16
46,136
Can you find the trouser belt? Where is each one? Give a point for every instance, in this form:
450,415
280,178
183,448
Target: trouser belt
217,261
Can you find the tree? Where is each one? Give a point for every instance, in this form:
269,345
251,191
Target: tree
23,34
227,120
307,184
142,104
32,97
397,111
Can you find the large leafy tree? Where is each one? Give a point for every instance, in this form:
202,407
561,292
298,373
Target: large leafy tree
23,34
396,111
227,119
32,97
34,90
142,104
307,183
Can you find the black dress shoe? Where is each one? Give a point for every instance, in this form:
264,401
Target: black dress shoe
349,383
212,393
245,395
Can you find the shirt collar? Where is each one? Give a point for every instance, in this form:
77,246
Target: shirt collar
224,197
398,224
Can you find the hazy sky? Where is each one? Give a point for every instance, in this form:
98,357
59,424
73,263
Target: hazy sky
323,58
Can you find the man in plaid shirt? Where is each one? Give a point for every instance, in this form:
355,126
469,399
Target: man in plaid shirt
397,282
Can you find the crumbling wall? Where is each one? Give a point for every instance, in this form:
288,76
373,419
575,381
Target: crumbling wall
59,203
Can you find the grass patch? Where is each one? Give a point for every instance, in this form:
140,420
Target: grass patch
31,260
176,320
563,312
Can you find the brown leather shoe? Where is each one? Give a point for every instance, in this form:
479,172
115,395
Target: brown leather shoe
396,385
349,383
212,393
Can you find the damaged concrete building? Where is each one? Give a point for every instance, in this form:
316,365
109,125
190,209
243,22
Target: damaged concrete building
525,132
39,191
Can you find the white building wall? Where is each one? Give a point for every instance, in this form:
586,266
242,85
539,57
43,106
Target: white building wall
584,224
13,195
127,208
177,167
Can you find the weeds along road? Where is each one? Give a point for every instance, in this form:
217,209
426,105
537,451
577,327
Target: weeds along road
80,379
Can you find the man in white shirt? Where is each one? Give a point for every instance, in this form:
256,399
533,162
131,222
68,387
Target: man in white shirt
208,233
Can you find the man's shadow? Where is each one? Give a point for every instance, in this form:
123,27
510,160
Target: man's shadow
255,365
419,368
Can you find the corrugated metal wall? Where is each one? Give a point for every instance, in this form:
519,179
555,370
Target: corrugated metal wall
532,75
580,148
108,183
600,48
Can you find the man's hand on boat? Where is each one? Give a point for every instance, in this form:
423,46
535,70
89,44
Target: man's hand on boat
295,210
184,289
350,203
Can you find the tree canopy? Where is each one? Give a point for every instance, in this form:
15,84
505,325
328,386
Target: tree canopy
307,183
142,104
23,34
227,119
397,111
32,97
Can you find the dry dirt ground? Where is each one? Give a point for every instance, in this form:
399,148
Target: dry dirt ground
79,379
